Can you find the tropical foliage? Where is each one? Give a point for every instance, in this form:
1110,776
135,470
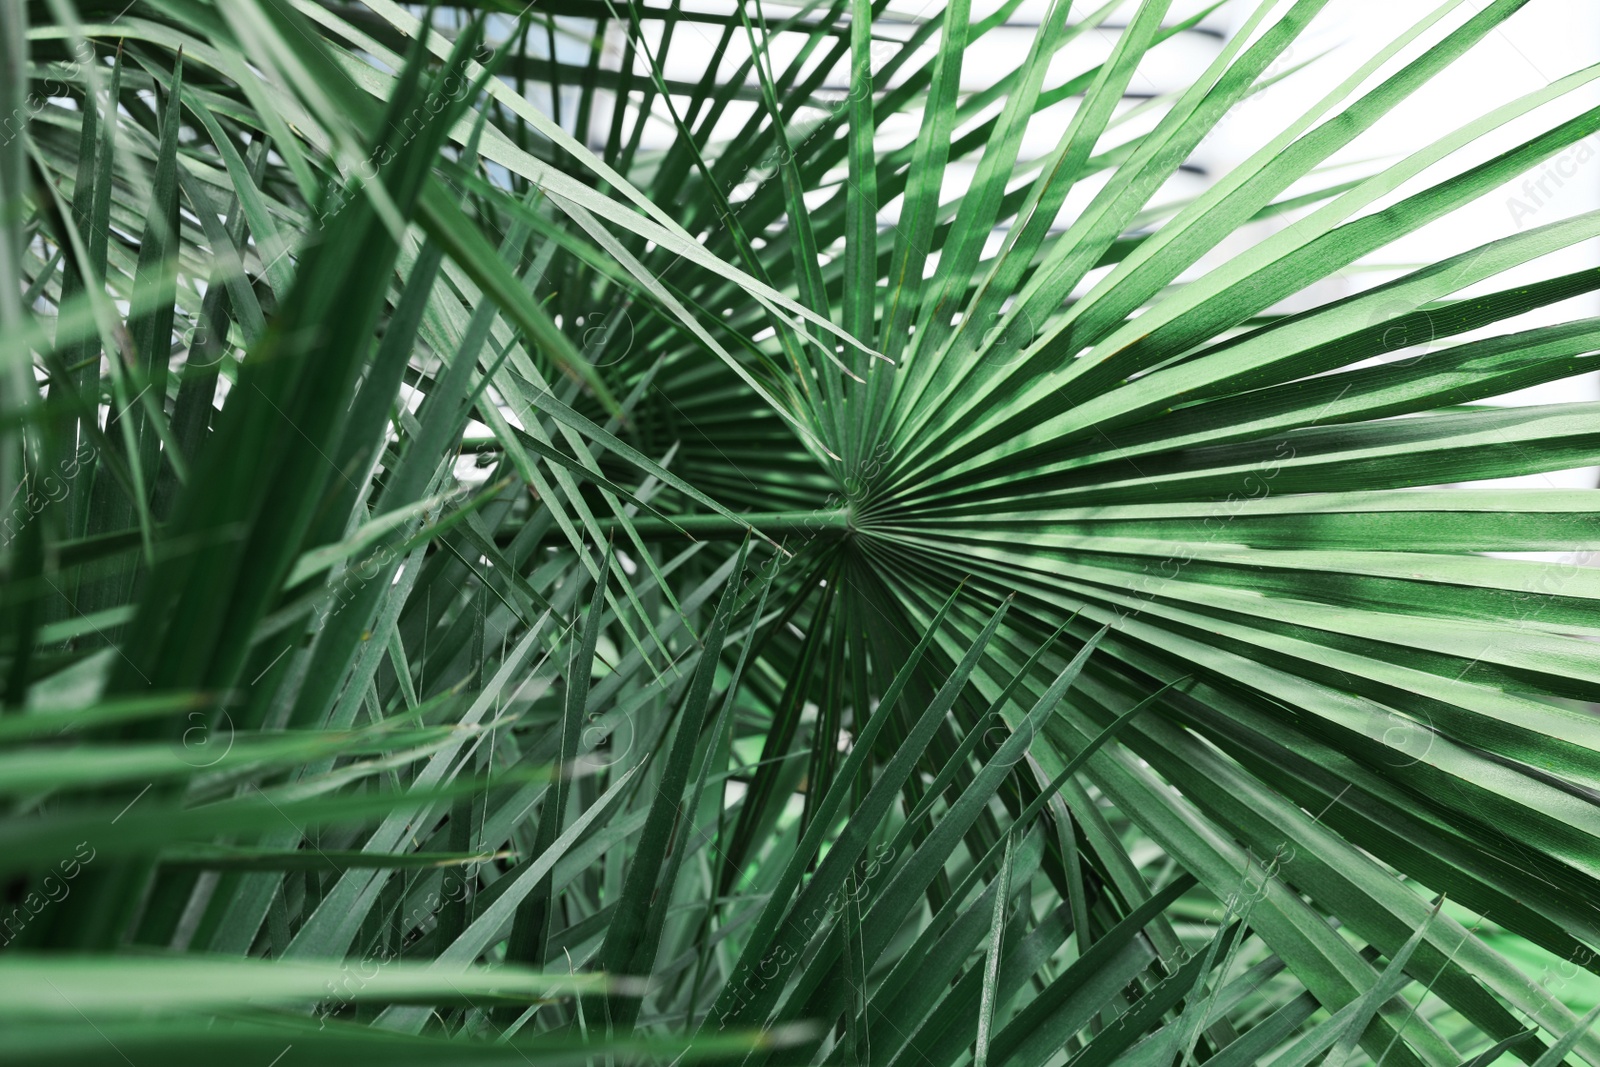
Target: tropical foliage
486,585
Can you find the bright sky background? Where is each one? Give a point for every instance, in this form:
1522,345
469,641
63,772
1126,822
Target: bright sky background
1545,41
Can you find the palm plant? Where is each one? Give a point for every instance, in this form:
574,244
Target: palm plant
481,588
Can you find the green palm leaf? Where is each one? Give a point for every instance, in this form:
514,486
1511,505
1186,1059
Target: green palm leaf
668,533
